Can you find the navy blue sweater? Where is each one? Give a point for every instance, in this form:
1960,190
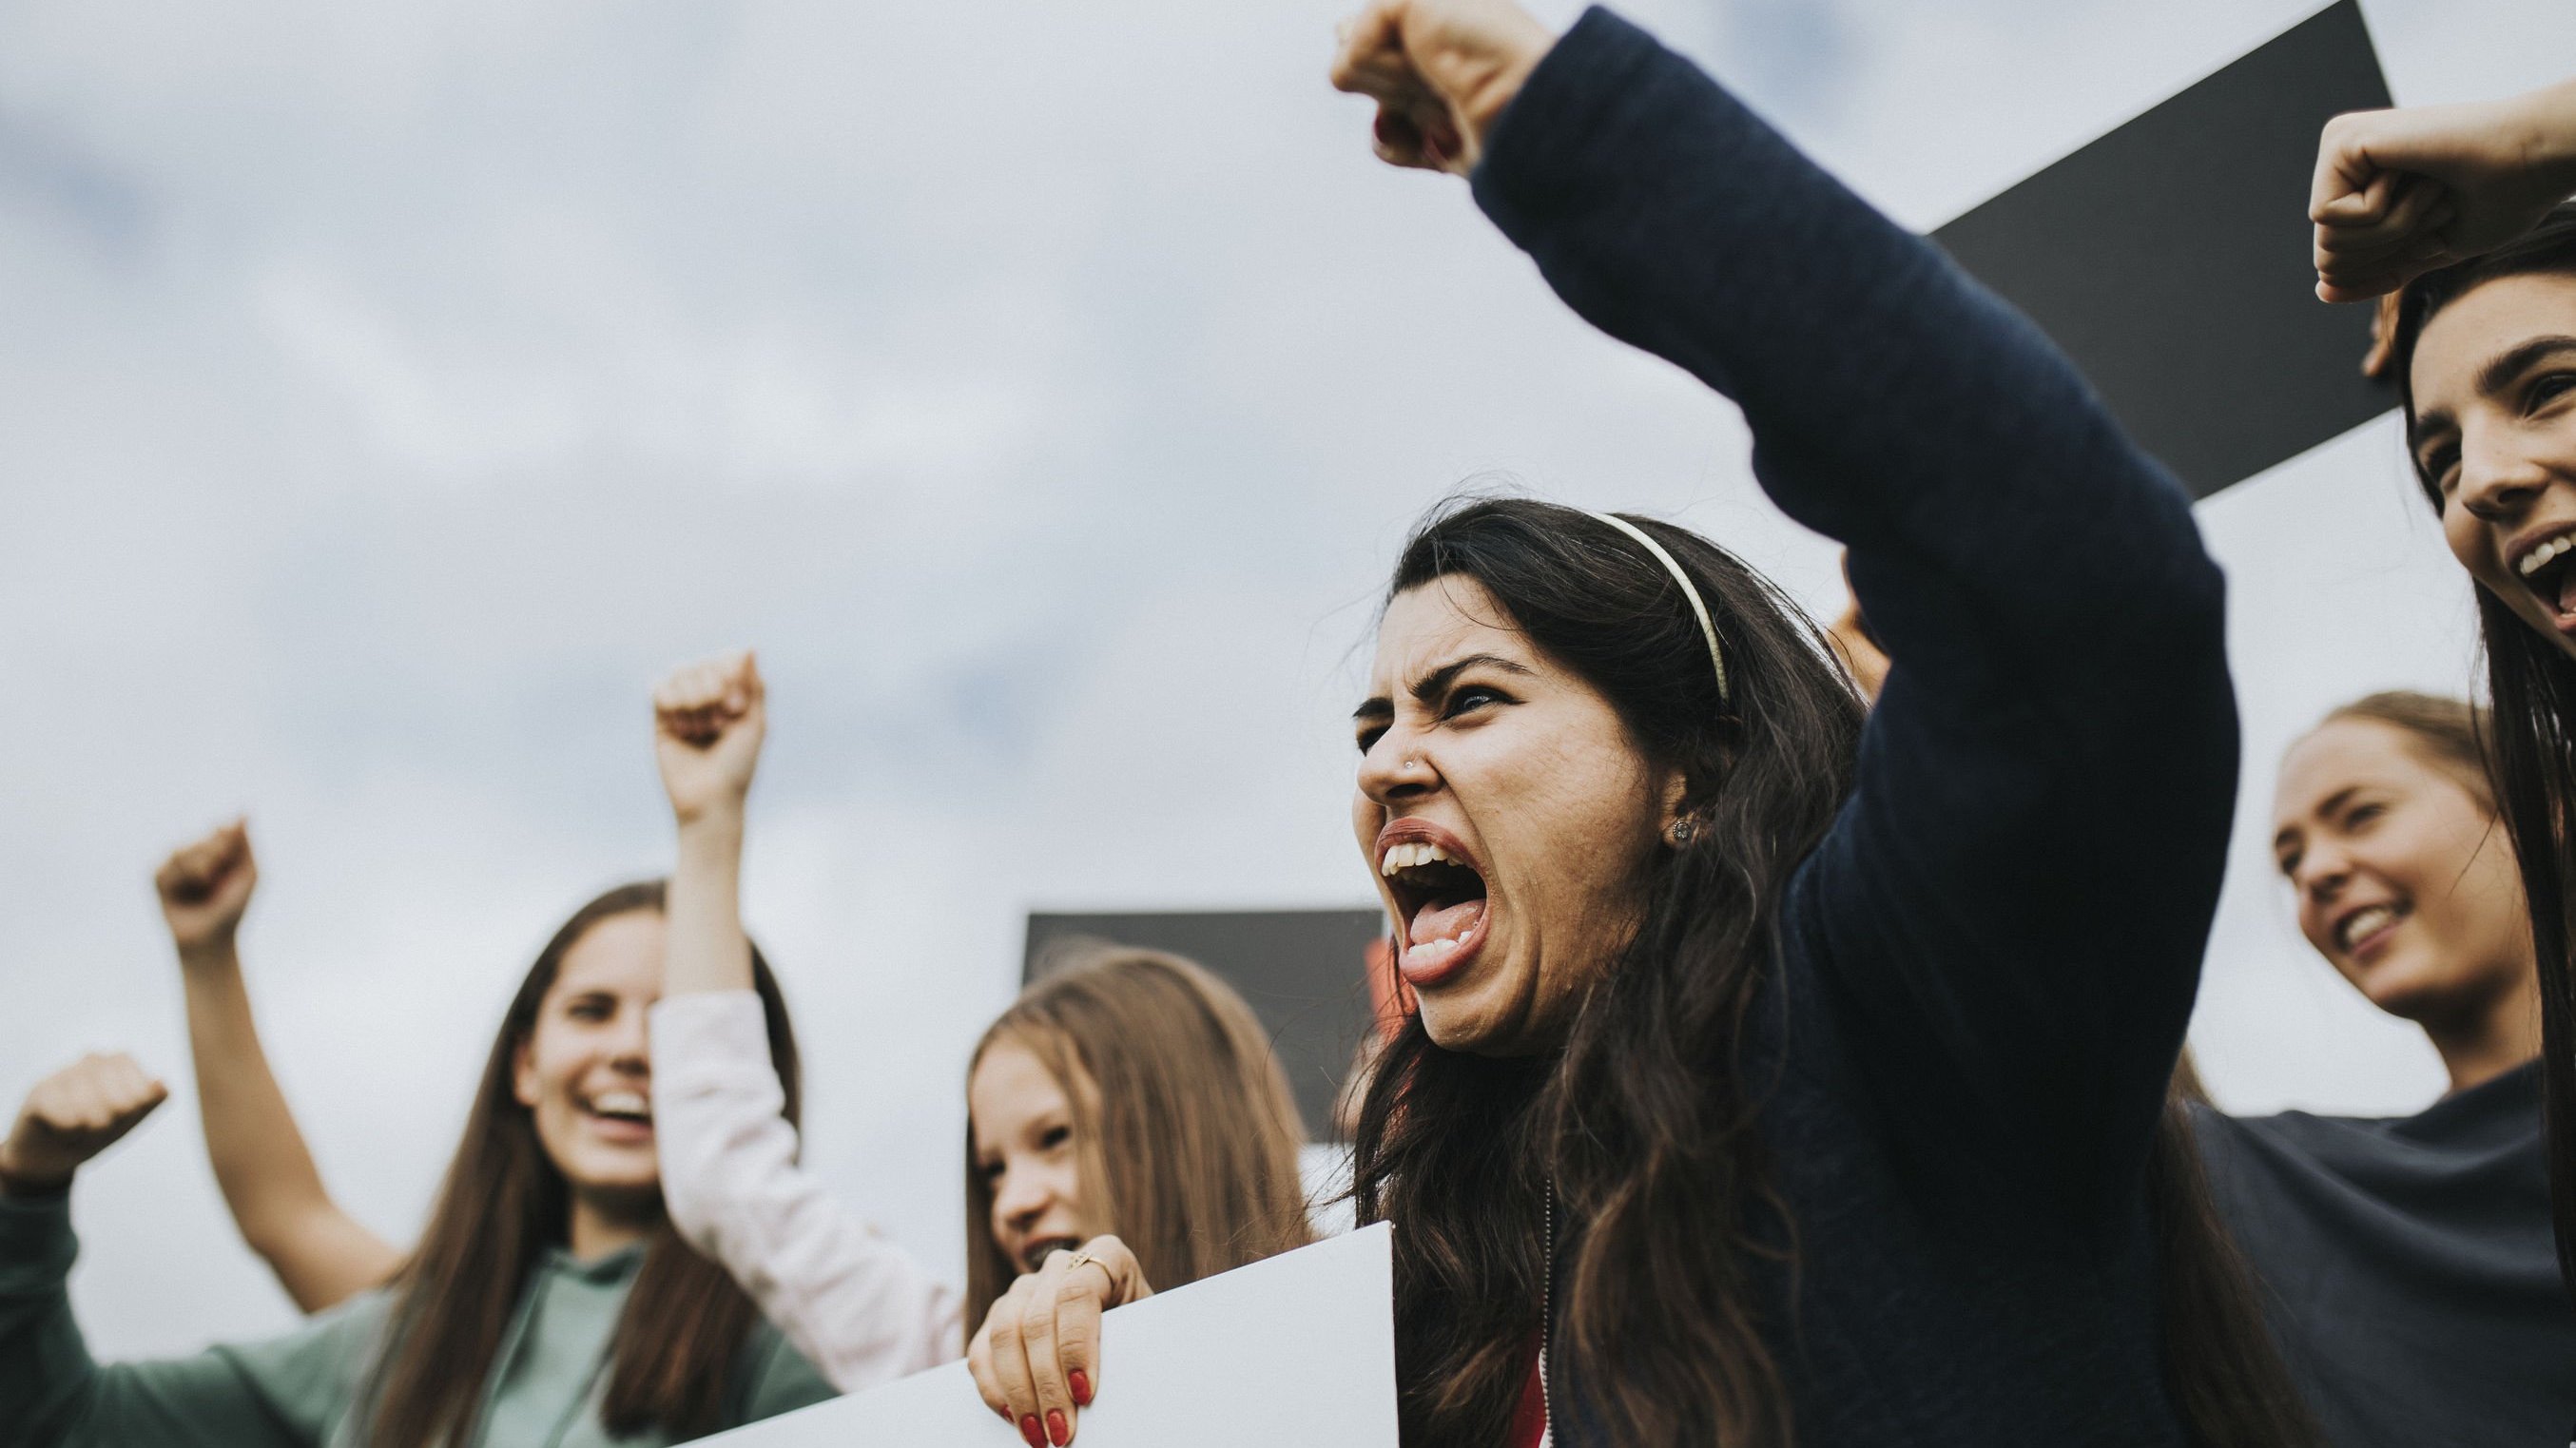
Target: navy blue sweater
1988,965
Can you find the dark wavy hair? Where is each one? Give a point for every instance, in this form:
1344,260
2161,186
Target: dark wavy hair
504,1203
1647,1121
2531,689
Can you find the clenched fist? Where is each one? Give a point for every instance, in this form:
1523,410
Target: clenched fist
708,723
205,887
2398,193
1441,72
73,1115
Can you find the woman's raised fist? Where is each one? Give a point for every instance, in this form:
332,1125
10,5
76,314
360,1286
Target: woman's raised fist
2399,193
1441,72
72,1116
205,887
708,721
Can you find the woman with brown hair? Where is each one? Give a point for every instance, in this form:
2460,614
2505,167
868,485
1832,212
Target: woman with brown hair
1126,1091
549,1301
2408,1263
2459,210
1780,1077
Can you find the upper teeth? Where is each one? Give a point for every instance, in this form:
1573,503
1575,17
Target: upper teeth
2532,560
621,1103
2365,920
1403,857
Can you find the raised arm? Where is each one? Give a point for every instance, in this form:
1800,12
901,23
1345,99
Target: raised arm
321,1254
2011,911
318,1250
52,1395
855,1305
2400,192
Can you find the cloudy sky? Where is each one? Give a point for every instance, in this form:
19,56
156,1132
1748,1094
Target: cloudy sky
387,397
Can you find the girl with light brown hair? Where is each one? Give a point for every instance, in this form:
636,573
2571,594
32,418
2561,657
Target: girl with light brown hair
1126,1092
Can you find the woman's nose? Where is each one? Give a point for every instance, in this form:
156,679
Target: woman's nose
2323,873
1394,769
2499,481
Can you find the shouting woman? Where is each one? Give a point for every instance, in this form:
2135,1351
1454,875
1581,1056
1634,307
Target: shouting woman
1779,1078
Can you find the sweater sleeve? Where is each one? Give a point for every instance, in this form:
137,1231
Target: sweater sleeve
283,1393
862,1309
2005,923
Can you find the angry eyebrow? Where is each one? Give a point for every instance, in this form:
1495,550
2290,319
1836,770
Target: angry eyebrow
1436,682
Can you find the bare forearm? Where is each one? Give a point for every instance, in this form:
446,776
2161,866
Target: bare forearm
260,1159
707,950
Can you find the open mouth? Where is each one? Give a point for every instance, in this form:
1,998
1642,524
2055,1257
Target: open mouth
625,1115
2548,569
1439,896
1034,1255
2369,927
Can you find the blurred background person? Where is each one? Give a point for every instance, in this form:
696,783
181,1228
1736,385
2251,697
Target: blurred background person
2410,1270
1126,1092
549,1300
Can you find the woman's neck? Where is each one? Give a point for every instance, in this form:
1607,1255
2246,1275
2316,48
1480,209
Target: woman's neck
599,1229
2485,1043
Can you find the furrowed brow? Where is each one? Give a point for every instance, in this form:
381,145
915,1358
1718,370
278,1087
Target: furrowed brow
1436,683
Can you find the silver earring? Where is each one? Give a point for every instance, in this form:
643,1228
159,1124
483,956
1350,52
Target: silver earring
1681,832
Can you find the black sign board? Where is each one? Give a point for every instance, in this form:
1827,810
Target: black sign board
1303,971
2171,259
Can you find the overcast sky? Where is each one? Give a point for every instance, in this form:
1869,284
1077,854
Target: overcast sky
388,396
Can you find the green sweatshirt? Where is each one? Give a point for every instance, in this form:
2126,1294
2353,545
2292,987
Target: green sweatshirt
300,1390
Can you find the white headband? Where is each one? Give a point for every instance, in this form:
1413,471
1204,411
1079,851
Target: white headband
1690,591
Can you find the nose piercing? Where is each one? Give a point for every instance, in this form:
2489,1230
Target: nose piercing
1409,763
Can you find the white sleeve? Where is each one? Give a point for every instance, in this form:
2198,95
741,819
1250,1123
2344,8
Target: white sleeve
861,1309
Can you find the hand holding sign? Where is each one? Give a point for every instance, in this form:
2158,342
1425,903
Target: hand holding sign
1036,1360
2398,193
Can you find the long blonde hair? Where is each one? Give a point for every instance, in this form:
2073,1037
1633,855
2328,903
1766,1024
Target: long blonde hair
1185,1132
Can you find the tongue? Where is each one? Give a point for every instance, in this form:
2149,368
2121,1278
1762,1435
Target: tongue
2567,591
1445,922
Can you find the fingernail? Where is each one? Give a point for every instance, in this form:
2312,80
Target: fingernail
1029,1430
1080,1382
1057,1433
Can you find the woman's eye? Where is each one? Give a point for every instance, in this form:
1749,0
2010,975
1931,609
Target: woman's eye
1369,737
1469,699
2548,389
2290,863
1053,1137
2363,814
588,1011
990,1171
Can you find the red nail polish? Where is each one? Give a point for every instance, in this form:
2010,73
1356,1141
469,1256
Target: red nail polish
1057,1433
1080,1382
1029,1430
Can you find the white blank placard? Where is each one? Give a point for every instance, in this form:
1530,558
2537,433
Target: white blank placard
1293,1350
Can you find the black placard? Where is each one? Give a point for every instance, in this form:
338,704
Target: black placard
2171,259
1303,971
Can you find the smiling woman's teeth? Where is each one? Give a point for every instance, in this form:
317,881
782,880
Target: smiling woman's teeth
1405,857
622,1103
2533,561
2363,922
